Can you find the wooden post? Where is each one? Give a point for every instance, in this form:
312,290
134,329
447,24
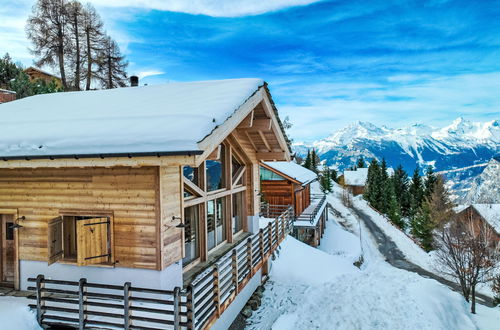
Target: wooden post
82,306
270,229
177,300
190,307
40,303
261,245
277,232
126,305
283,228
234,267
217,289
249,257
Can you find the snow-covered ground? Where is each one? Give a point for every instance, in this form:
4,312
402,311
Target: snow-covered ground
320,288
15,314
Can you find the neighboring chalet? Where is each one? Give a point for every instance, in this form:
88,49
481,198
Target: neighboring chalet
488,214
150,185
7,96
288,183
37,74
355,181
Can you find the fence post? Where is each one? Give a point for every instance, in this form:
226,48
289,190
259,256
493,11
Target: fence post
217,289
277,232
234,267
249,257
283,229
40,303
261,245
82,306
190,307
177,298
126,305
270,229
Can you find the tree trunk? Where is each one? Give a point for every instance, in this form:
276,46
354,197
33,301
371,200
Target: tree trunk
77,62
89,60
110,72
473,304
60,57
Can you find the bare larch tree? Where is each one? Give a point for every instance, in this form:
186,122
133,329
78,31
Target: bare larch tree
94,40
112,66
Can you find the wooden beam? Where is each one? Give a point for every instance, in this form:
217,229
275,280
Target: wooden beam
237,176
264,140
250,140
247,122
260,124
192,188
272,156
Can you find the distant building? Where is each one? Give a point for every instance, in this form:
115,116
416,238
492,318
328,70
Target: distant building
356,180
480,214
35,74
7,96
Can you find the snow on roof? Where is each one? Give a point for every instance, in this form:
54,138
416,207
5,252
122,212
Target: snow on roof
356,178
490,213
294,171
7,91
170,117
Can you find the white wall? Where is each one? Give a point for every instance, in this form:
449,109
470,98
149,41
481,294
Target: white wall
166,279
253,224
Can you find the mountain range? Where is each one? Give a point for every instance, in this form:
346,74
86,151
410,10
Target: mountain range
463,148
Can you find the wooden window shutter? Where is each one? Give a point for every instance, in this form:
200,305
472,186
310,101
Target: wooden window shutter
55,240
92,241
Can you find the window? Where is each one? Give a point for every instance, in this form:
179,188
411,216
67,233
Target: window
266,174
191,234
84,240
238,212
215,169
216,230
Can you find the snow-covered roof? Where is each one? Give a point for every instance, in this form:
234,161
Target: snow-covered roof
294,171
7,91
490,213
356,178
171,117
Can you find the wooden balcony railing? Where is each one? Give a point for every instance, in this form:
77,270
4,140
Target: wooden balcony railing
197,306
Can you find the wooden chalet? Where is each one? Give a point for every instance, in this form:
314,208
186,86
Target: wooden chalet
355,181
144,184
482,214
288,183
7,96
38,74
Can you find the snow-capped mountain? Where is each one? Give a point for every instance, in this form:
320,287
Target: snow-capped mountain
461,144
485,188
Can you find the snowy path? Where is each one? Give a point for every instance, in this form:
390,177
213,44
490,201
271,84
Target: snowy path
320,288
396,258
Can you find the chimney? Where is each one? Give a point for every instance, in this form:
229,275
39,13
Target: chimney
134,81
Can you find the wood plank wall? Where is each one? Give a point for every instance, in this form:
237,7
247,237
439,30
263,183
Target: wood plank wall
130,193
278,192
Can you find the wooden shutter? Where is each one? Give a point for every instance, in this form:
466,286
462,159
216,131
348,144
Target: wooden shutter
92,241
55,237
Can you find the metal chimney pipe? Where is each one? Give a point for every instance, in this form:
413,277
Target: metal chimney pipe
134,81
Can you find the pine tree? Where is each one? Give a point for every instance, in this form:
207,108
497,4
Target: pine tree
430,181
314,161
307,162
422,226
394,210
372,188
385,188
361,162
416,192
334,175
8,71
400,184
325,179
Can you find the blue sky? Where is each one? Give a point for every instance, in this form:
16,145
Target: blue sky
328,63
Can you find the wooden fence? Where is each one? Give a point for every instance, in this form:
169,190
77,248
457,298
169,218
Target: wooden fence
83,305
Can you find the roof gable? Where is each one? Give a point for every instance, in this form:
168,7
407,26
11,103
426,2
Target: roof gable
356,178
172,117
293,171
490,213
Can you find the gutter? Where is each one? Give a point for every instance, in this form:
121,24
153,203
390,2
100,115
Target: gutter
106,155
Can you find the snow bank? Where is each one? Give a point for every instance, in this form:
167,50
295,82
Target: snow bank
159,118
344,244
294,170
299,263
15,314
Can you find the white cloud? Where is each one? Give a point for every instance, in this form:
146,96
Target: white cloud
144,74
216,8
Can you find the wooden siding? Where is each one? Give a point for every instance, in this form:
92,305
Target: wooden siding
278,192
128,193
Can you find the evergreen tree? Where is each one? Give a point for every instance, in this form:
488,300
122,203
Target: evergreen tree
400,184
394,209
8,71
372,188
334,175
416,192
307,162
325,179
361,162
385,189
314,161
422,226
430,181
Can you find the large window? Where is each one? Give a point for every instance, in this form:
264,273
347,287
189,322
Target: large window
216,230
215,170
191,234
238,212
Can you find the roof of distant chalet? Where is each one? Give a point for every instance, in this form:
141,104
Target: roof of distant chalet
490,213
356,178
293,171
171,118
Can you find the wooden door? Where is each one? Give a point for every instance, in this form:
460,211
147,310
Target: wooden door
92,241
8,254
55,240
